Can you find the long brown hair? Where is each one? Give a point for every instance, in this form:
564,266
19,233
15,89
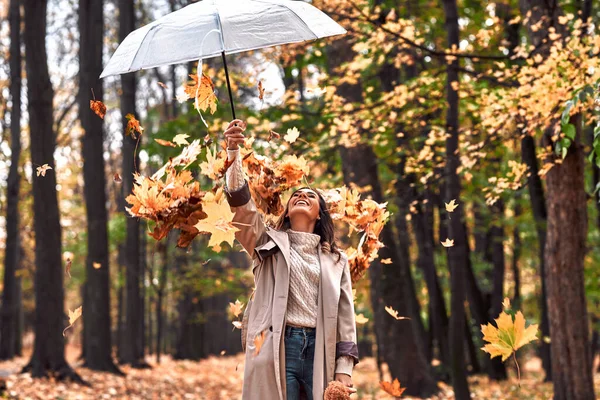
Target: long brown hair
323,226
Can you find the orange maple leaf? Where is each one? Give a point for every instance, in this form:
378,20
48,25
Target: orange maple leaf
133,126
203,93
98,107
392,388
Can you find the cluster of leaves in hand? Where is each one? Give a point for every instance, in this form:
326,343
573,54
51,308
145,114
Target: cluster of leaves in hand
365,216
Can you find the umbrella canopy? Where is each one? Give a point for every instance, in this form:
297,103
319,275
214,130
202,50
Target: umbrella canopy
217,27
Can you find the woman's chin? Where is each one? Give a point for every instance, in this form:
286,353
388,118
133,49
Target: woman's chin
300,213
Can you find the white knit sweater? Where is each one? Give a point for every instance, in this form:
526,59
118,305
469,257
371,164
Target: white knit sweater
305,269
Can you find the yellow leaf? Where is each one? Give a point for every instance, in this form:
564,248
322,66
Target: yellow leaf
218,223
450,207
42,170
73,316
361,319
509,335
213,166
236,308
386,261
292,135
180,139
237,324
392,388
448,243
394,313
97,265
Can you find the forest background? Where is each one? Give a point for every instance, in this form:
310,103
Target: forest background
491,104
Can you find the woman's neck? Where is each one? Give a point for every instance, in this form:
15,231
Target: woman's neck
303,225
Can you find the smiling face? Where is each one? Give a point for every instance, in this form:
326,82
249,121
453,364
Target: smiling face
305,203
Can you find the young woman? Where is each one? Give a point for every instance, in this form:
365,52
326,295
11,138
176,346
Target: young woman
299,329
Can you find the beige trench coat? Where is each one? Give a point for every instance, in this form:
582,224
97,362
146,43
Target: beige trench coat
264,373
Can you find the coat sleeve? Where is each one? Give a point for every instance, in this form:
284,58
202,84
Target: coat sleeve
346,324
252,229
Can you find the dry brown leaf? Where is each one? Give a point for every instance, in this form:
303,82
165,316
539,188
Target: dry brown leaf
98,107
163,142
258,342
117,178
68,267
133,126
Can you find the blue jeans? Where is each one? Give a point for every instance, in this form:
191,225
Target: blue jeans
299,358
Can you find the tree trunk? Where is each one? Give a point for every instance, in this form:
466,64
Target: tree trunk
132,351
565,252
538,206
96,303
49,346
11,299
457,255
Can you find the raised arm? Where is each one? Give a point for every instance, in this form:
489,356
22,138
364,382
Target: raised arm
252,230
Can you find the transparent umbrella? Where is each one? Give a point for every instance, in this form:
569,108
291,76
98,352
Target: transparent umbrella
218,27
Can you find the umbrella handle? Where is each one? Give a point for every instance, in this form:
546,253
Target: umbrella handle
228,84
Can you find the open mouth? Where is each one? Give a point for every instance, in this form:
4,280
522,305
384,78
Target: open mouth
301,202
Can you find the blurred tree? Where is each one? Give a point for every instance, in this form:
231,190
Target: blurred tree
10,332
49,347
97,348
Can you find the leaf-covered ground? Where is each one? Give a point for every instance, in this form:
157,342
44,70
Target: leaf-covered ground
221,378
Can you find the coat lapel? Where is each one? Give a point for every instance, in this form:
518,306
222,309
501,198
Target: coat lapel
328,298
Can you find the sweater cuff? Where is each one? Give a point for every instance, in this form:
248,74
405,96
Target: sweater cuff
344,365
234,177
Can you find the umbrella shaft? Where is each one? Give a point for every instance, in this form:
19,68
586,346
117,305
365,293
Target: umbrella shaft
228,84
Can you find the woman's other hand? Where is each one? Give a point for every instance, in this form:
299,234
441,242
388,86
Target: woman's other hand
234,135
346,380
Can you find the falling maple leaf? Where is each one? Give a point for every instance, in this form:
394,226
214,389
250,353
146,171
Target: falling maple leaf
386,261
292,135
117,178
394,313
261,91
236,308
361,319
97,265
392,388
68,267
73,316
133,126
509,336
450,207
42,170
162,85
180,139
218,222
98,107
448,243
163,142
258,342
203,93
237,324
